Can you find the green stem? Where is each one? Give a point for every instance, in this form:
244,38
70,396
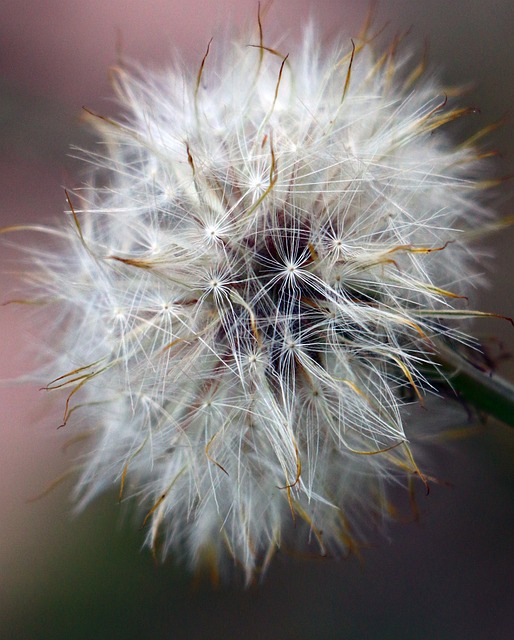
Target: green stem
487,392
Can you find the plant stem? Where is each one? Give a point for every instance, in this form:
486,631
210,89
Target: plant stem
488,393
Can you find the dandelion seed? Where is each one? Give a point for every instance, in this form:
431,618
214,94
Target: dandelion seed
249,288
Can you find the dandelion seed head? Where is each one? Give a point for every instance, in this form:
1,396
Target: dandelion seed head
248,287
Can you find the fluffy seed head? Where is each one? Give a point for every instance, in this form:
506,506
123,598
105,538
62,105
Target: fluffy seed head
249,285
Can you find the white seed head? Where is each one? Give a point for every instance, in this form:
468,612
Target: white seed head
249,285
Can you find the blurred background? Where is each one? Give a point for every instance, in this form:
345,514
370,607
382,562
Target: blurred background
447,576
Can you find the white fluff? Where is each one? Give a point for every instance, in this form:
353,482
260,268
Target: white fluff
248,286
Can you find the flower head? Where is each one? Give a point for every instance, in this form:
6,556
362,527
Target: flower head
250,285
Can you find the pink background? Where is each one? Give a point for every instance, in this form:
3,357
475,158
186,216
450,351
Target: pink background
53,60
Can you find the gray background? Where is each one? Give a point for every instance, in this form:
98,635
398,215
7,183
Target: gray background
447,576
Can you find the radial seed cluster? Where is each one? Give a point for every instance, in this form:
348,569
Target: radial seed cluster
249,286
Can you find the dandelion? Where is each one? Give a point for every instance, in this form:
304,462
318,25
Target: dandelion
249,289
